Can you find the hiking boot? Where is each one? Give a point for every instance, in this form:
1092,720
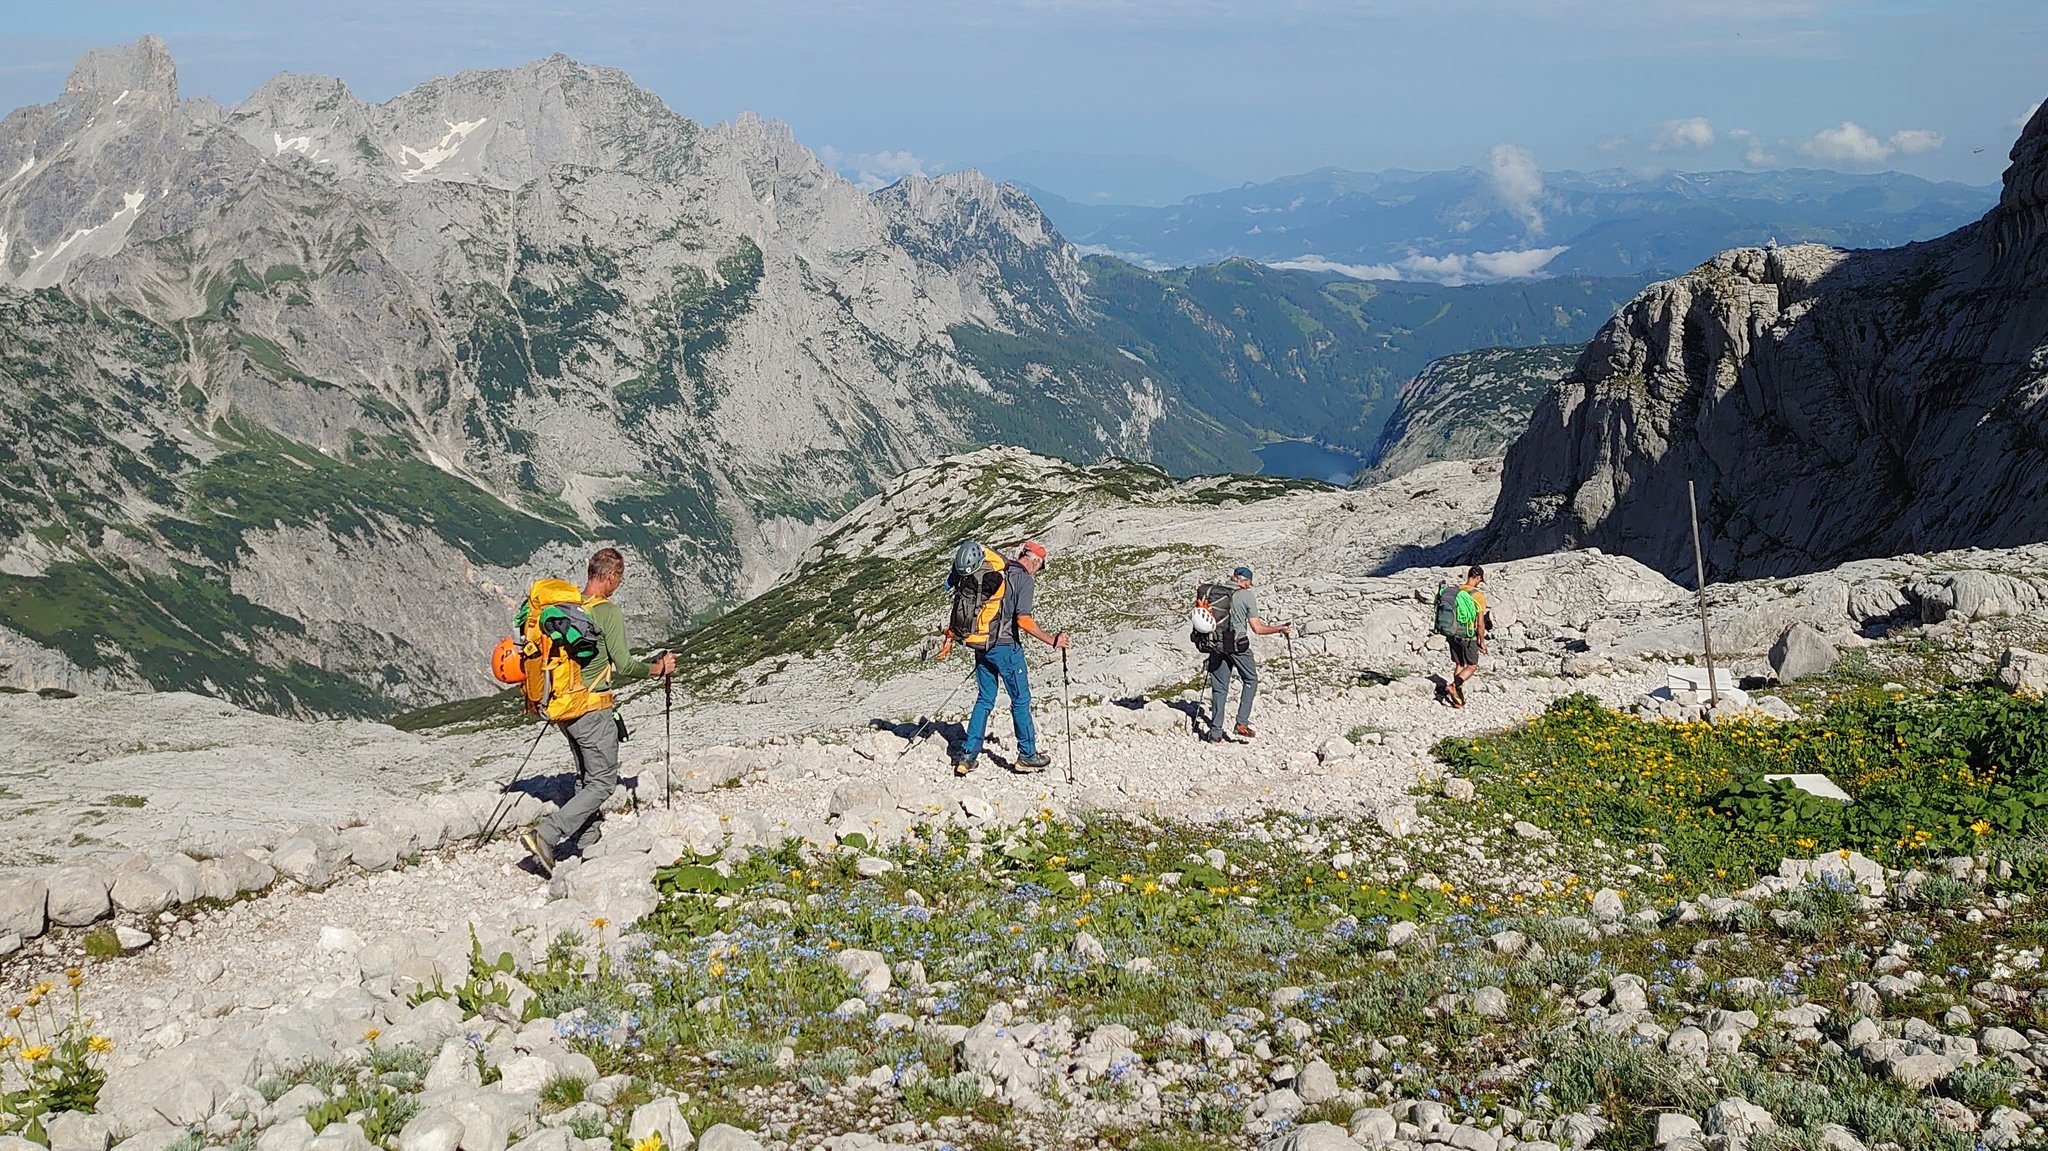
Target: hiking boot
1036,761
963,765
1245,730
537,847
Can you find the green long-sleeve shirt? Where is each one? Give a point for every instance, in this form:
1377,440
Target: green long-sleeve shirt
616,654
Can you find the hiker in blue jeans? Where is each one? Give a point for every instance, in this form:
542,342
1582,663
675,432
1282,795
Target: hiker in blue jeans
1003,662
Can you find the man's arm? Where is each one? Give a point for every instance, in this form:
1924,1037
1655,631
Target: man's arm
1028,626
1261,627
620,652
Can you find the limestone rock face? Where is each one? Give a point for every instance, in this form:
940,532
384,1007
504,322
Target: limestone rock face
1830,405
1465,406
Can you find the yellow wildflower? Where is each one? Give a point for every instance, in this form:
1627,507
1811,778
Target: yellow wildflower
715,970
600,923
37,1053
1981,827
74,976
651,1143
371,1035
100,1044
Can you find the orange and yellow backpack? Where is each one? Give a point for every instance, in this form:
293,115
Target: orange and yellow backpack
556,639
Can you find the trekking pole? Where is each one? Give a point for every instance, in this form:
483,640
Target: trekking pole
502,809
1294,669
668,701
930,723
1067,704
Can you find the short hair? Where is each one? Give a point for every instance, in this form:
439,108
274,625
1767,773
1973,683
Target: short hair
607,563
1477,572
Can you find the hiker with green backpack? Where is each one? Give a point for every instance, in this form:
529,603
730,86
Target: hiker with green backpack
1461,619
575,648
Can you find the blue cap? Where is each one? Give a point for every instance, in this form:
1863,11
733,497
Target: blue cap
1243,573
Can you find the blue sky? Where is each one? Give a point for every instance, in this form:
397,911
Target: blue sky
1098,98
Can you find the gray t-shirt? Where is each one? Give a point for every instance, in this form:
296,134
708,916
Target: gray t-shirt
1018,588
1242,608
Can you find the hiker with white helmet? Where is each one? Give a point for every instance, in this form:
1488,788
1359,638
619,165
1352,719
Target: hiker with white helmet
1233,617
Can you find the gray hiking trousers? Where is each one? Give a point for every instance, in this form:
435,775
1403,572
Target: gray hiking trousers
594,740
1220,667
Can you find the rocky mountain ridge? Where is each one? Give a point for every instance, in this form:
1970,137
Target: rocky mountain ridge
1464,406
1830,405
511,314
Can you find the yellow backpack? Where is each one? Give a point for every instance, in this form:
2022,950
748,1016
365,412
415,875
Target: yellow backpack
977,583
556,639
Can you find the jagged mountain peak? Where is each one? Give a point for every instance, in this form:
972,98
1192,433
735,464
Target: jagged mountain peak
2026,180
143,68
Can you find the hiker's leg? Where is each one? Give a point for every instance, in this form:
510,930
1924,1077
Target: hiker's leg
1219,691
984,703
1017,681
1248,671
550,827
596,739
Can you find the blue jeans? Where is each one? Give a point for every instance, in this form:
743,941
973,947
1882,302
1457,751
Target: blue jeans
1005,662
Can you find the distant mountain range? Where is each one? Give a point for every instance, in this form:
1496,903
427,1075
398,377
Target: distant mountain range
1474,225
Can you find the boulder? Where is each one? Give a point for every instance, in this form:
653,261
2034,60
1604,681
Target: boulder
77,1131
142,892
369,849
300,860
78,896
1314,1137
663,1117
2024,671
869,969
1317,1083
1335,748
725,1137
1801,652
23,907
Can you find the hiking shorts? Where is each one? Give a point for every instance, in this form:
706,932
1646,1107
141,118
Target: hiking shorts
1464,650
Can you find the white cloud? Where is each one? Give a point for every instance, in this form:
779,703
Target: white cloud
2027,115
1914,141
1757,154
1848,143
1691,134
873,170
1517,182
1465,268
1611,143
1853,145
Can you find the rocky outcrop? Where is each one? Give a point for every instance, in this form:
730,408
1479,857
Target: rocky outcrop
1830,405
1464,407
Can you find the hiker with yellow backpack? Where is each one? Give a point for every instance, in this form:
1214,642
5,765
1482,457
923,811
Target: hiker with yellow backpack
992,603
570,651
